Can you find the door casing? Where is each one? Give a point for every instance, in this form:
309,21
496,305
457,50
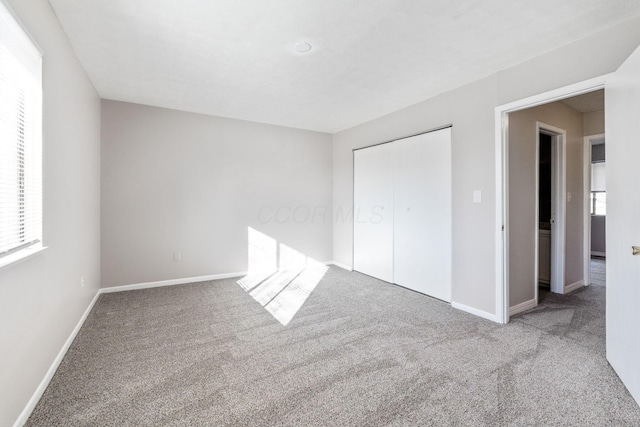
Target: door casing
502,181
558,211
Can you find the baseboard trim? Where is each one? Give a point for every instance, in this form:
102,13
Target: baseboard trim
596,253
574,286
475,311
35,398
523,306
342,266
171,282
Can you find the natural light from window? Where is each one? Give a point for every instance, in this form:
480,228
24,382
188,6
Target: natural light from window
279,277
598,200
20,141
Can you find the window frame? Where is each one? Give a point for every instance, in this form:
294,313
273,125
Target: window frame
28,249
593,193
593,201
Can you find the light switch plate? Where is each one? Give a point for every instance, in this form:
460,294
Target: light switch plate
477,196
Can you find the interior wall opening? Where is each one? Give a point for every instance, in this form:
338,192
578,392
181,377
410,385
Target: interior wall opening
549,229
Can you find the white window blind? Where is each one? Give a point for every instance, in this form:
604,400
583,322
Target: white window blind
598,177
20,137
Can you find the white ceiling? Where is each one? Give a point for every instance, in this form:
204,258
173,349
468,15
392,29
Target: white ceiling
236,59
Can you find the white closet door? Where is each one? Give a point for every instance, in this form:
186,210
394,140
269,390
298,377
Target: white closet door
373,212
422,209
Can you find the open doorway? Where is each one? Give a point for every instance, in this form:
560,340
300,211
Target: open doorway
547,199
550,209
545,209
622,316
545,202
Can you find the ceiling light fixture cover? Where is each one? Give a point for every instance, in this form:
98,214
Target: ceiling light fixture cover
302,47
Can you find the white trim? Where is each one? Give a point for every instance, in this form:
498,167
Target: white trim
598,253
171,282
572,287
558,204
475,312
524,306
586,211
586,185
24,27
502,217
339,264
21,255
35,398
502,182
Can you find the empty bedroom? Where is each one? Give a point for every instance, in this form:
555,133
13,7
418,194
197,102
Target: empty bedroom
298,213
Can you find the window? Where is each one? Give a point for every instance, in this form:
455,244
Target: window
20,141
598,189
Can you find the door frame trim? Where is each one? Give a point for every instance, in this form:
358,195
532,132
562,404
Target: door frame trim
586,185
502,182
558,203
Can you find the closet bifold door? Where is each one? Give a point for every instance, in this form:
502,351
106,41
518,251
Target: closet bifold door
422,214
373,211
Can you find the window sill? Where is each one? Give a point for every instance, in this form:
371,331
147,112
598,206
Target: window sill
21,255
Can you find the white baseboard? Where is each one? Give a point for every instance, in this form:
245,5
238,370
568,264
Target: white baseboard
524,306
574,286
342,266
171,282
596,253
35,398
475,311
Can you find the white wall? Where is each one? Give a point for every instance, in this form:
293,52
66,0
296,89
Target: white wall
175,181
471,111
41,299
522,196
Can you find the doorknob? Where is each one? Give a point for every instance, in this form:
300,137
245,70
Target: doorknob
635,250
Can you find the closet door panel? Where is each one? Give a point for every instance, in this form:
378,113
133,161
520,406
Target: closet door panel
422,207
373,211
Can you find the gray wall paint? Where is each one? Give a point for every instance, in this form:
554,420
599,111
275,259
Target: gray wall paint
522,196
471,110
176,181
41,299
598,234
597,152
